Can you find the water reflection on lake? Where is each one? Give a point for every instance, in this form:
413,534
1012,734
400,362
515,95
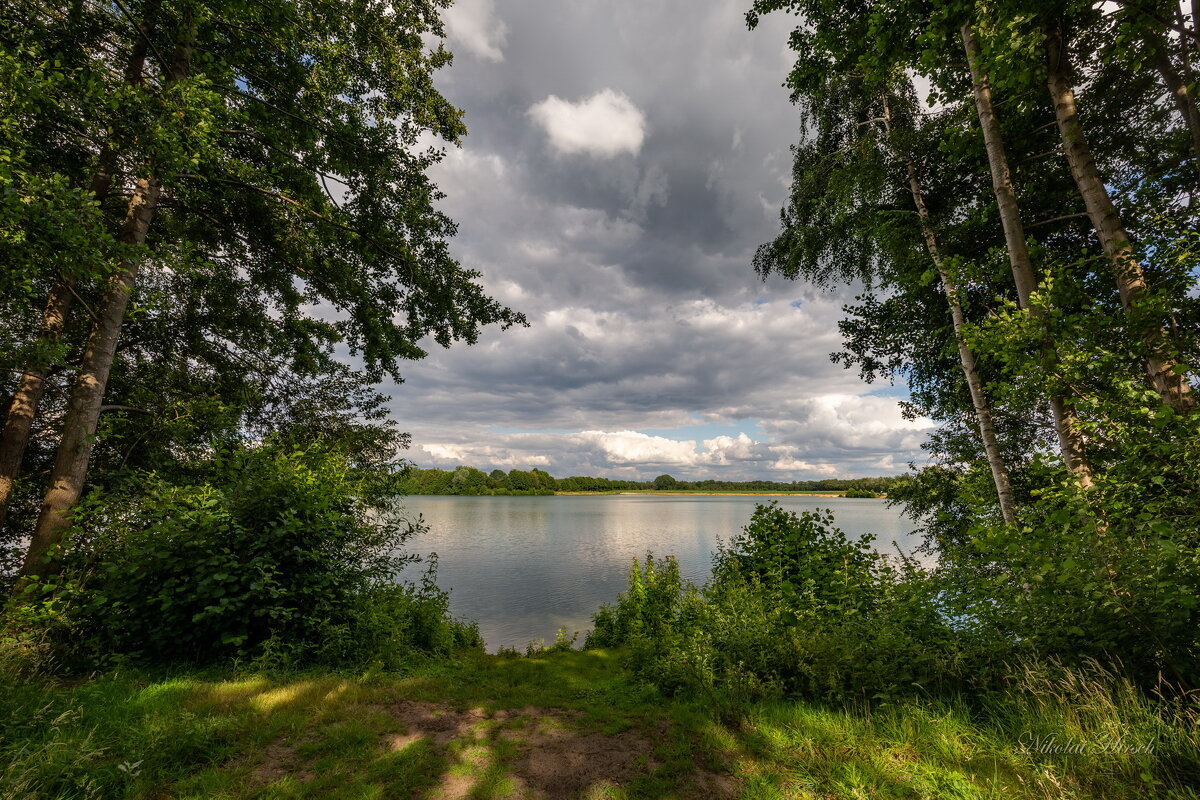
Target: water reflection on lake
525,566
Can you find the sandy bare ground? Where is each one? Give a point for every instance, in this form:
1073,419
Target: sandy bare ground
526,753
548,756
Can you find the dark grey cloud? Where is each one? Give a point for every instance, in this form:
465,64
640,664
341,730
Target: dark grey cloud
625,159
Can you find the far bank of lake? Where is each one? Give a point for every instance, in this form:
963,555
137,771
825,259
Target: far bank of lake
525,566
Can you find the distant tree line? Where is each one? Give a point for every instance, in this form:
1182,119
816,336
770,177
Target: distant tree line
471,481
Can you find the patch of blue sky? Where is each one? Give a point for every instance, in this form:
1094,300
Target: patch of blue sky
762,301
709,430
697,432
898,390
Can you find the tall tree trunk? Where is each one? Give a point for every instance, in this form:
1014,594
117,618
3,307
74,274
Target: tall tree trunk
23,408
1178,87
1188,39
966,358
1187,79
1131,282
87,395
1066,426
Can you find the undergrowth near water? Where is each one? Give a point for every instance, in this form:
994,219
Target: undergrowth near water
486,726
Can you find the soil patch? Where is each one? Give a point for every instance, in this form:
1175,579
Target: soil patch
548,756
278,761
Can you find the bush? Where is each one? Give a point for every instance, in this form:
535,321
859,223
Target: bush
804,557
1096,576
647,608
279,555
793,608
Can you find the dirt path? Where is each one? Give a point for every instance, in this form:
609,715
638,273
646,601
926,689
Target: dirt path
542,752
529,753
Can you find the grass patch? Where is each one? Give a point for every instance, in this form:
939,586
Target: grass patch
556,725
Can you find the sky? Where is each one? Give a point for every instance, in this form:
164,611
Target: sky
625,158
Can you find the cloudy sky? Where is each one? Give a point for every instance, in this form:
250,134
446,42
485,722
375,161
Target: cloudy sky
624,160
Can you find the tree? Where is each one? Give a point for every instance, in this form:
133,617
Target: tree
1070,440
468,480
44,182
542,480
498,479
520,481
968,361
841,49
1164,372
284,161
1037,308
665,482
850,176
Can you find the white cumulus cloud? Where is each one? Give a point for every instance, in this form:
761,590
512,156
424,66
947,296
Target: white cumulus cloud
605,124
723,448
633,447
474,25
632,454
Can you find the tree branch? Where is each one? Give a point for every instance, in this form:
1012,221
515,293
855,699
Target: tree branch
1166,23
1056,219
125,408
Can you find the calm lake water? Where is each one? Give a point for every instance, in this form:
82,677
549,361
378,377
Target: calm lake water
526,566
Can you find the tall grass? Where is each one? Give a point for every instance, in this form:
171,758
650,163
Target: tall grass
1052,733
1093,724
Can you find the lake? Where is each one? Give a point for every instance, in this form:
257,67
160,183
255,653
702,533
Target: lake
526,566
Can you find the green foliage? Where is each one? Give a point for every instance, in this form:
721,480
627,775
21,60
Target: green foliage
793,607
796,608
282,555
646,609
563,643
1105,573
582,483
664,482
1110,573
1082,734
470,481
466,480
301,221
804,557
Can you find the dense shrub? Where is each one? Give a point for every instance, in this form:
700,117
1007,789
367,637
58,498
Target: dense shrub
803,557
646,609
1108,574
793,607
1100,577
283,555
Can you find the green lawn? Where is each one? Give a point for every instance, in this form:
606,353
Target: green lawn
557,725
